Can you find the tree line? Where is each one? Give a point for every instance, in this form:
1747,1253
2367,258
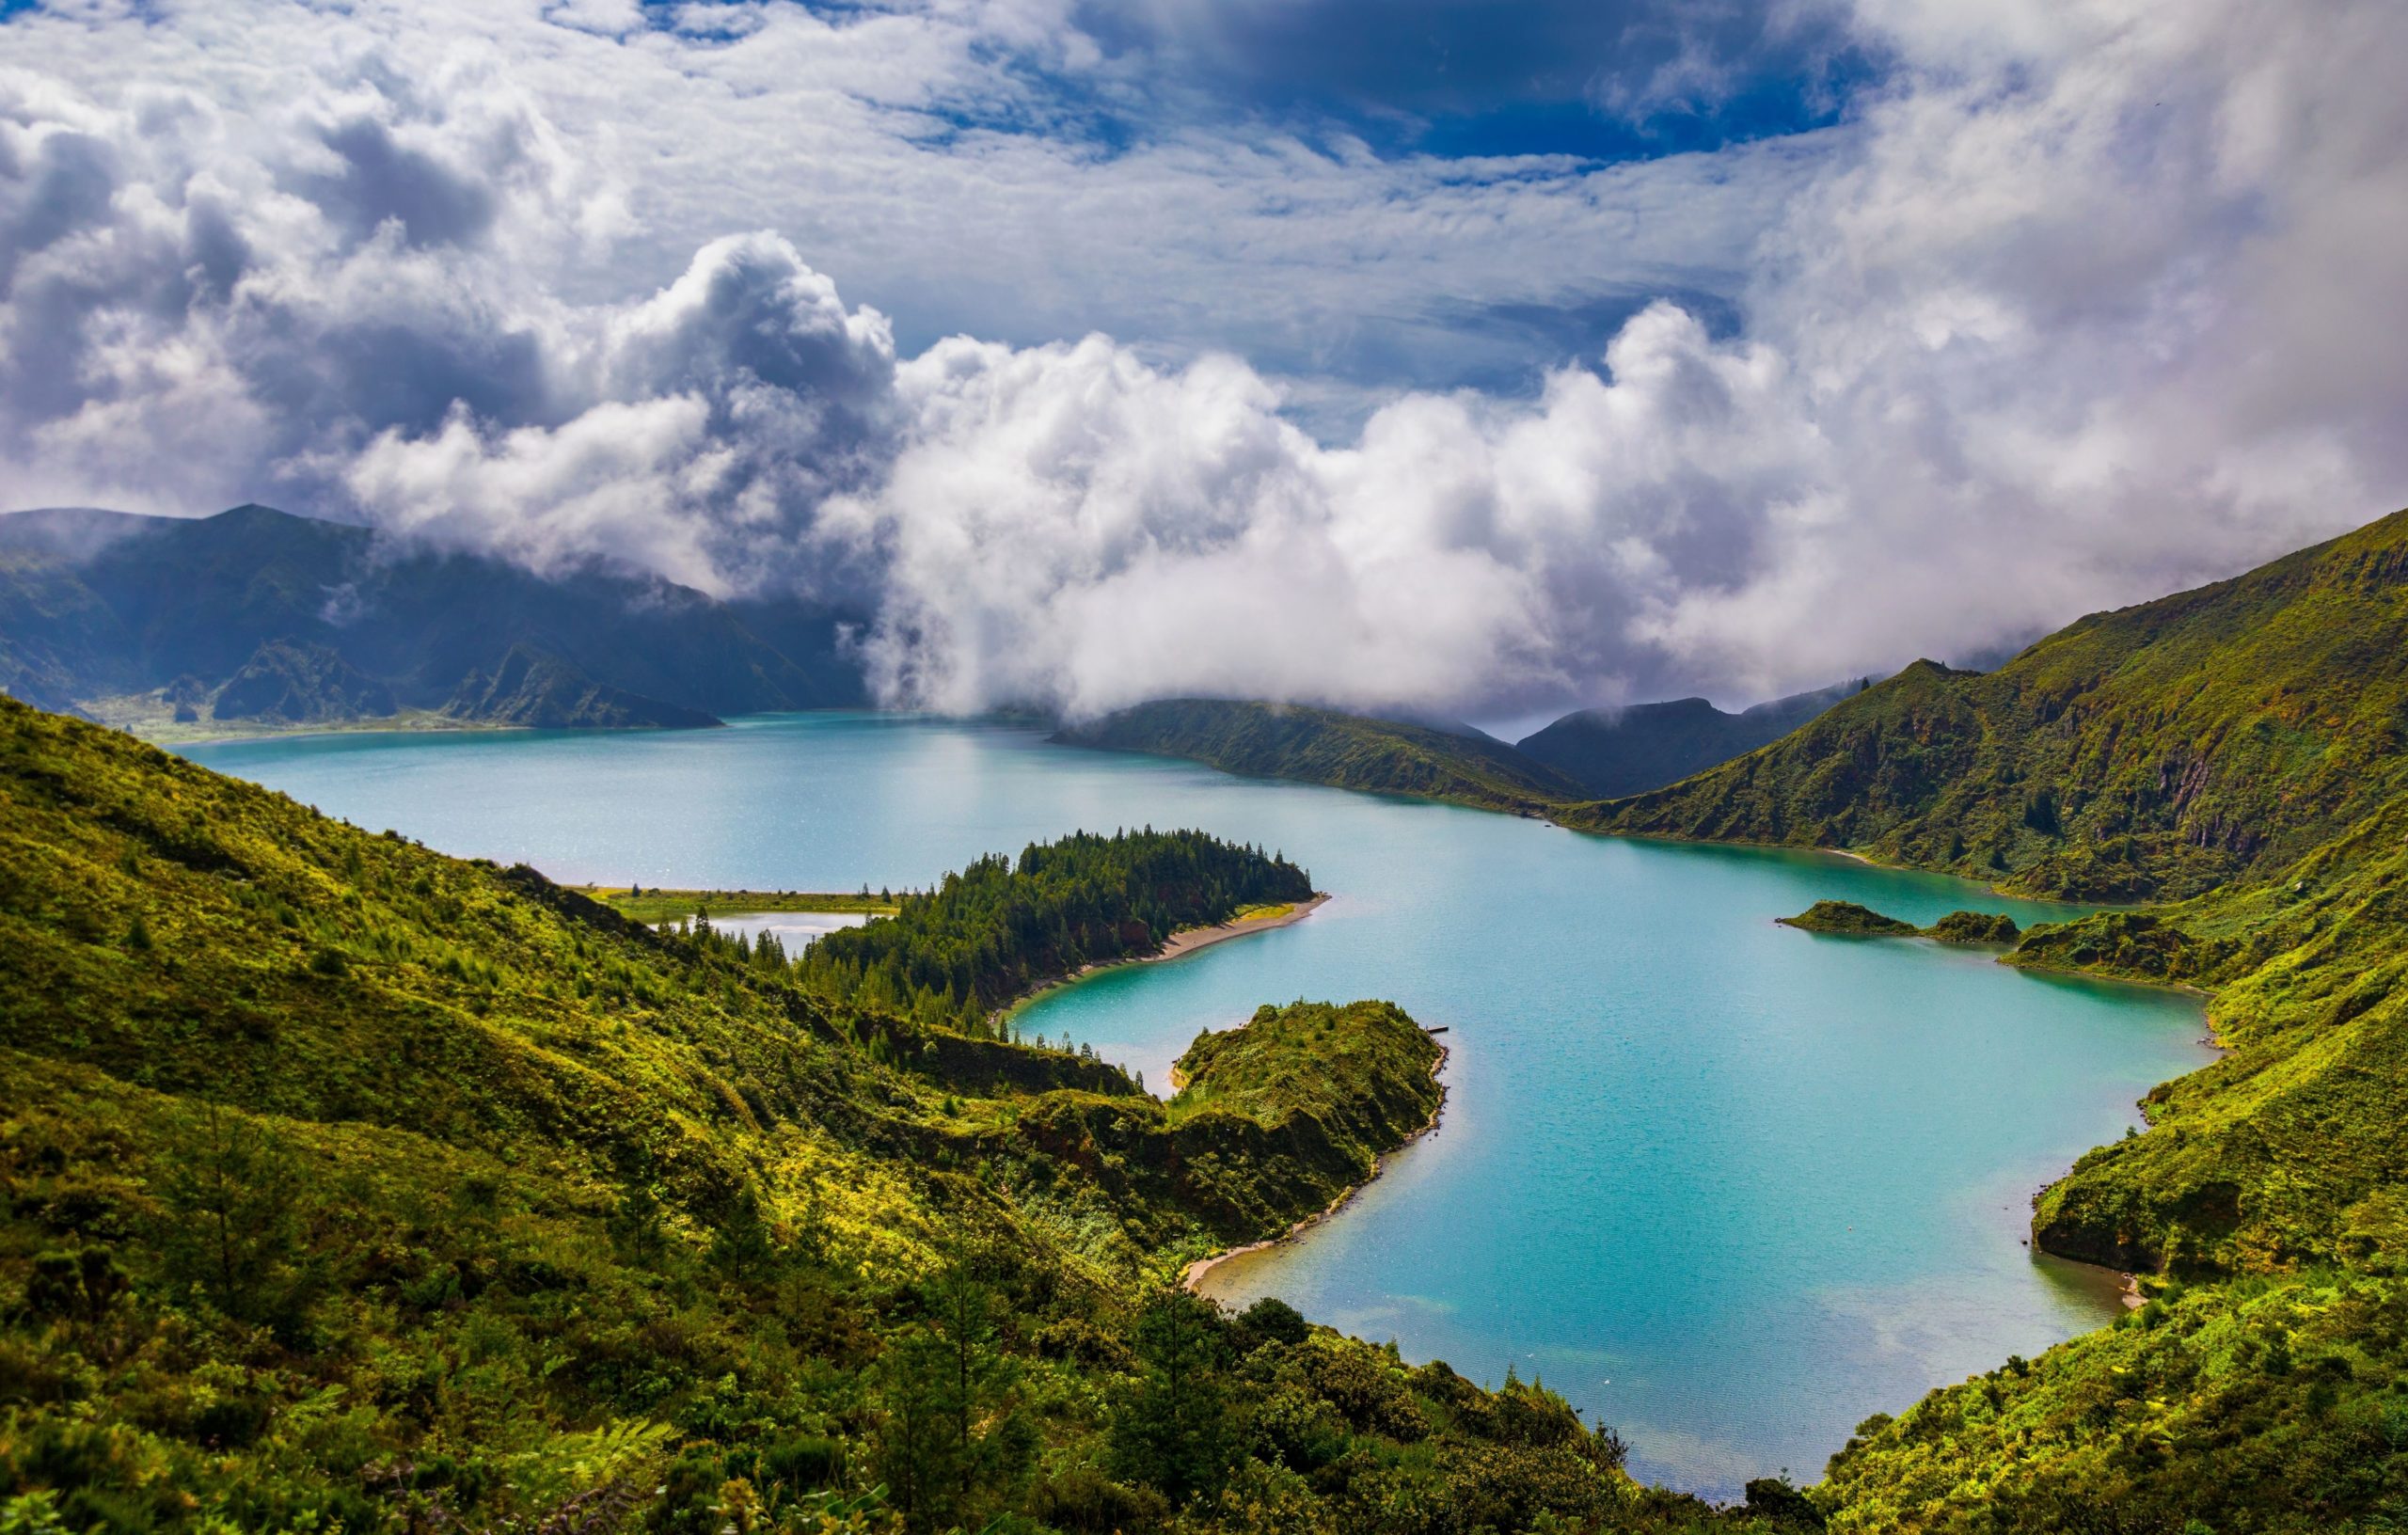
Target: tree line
997,930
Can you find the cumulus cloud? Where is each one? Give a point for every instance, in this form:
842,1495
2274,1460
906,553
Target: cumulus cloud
2081,303
1069,525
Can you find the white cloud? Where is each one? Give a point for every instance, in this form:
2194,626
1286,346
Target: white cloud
2085,300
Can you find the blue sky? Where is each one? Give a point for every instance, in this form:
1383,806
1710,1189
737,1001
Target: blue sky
1480,358
1460,78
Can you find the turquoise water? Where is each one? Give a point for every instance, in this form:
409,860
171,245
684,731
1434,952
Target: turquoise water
1728,1186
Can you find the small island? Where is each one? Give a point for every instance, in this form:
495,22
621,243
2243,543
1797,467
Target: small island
1975,928
1846,919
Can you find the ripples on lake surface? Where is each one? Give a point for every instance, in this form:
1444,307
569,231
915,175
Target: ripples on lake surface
1728,1186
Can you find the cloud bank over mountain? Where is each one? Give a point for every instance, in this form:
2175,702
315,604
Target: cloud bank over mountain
2056,308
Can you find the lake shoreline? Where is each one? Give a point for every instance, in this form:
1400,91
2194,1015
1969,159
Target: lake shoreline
1193,1276
1421,949
1178,946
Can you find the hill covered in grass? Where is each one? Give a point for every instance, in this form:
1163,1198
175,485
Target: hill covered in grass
346,1185
2153,753
2238,755
1341,751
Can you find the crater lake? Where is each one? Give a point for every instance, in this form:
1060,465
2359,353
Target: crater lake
1728,1186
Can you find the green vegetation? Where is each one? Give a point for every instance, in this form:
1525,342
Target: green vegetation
654,905
2160,750
993,933
2264,1404
1343,750
348,1186
1848,920
2237,751
1364,1074
1975,928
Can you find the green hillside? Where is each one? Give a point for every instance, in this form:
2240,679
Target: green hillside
2155,751
1342,751
2235,753
348,1186
2273,1404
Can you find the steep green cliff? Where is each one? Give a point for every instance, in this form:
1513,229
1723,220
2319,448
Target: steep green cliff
2157,752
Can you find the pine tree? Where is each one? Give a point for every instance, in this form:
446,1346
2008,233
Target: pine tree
1172,1431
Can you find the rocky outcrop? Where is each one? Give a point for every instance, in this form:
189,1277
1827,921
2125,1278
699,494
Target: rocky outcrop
1848,920
543,692
291,683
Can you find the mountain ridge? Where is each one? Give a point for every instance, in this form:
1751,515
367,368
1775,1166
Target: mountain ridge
1324,746
96,605
1613,752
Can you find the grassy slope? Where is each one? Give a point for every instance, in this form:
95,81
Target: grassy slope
2264,1406
2155,751
1334,1067
326,1160
2293,1148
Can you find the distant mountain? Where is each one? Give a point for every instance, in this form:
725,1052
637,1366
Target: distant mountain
96,605
1322,746
1612,752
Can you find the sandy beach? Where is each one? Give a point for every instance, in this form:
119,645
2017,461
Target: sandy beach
1188,941
1185,942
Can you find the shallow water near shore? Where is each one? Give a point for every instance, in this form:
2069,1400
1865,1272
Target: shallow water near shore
1729,1186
